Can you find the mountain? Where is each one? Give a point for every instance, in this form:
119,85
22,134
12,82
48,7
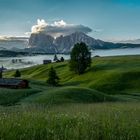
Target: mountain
13,43
66,43
136,41
43,43
39,43
10,53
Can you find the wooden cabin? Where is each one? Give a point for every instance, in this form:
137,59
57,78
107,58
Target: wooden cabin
14,83
47,61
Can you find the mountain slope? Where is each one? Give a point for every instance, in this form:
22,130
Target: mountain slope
13,43
66,43
41,42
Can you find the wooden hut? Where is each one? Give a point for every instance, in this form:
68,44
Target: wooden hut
14,83
47,61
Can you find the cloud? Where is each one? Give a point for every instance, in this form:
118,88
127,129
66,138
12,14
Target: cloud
58,28
98,30
10,38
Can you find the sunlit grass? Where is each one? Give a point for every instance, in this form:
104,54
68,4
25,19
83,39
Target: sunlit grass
113,75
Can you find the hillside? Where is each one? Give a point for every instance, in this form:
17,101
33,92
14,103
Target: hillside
103,103
115,76
10,53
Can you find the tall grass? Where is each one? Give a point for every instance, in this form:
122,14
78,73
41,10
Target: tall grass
41,117
110,121
12,96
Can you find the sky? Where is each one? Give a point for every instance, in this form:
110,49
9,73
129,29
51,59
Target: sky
108,19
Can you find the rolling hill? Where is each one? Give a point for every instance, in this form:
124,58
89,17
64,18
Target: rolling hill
108,77
103,103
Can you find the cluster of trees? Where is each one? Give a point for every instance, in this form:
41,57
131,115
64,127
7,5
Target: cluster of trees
58,60
80,60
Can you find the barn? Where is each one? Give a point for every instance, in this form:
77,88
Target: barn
14,83
47,61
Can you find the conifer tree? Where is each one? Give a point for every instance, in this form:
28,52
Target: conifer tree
17,74
53,79
55,58
80,58
1,74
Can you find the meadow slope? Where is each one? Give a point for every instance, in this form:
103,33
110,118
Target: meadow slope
116,76
102,104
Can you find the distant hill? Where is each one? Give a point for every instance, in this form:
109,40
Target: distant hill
13,43
41,42
9,53
136,41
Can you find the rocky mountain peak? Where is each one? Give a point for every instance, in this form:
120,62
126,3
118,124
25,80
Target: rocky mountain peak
64,44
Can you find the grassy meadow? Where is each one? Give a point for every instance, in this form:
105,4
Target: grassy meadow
71,122
102,104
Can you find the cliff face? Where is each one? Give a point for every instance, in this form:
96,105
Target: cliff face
66,43
42,43
62,44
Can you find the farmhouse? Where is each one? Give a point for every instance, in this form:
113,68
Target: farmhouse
13,83
47,61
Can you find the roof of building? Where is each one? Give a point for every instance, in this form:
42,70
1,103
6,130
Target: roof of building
47,60
10,81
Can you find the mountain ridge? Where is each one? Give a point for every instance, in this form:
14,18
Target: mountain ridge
40,42
44,43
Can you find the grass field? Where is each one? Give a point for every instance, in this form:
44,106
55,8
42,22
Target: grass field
102,121
117,76
102,104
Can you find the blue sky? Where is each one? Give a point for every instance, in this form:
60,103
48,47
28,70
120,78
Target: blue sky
109,19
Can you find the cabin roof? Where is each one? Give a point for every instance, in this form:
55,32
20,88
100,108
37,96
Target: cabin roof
47,60
10,81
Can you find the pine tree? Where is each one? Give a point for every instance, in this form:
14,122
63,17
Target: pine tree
55,58
53,78
80,58
17,74
1,74
62,59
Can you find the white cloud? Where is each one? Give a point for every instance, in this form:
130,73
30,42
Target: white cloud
60,23
57,28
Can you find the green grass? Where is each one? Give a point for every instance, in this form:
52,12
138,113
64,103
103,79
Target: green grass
112,75
117,76
102,104
13,96
107,121
65,95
